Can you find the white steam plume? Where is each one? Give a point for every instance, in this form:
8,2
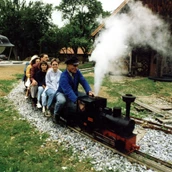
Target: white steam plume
123,32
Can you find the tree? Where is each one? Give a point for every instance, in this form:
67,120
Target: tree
52,41
25,25
82,18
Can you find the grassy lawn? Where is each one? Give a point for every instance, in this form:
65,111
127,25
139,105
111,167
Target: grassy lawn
138,87
24,149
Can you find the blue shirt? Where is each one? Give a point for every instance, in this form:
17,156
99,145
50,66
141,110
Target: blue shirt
68,85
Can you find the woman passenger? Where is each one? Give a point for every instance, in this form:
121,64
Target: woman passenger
34,60
52,84
40,78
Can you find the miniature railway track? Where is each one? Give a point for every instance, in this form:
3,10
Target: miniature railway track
152,161
164,115
135,157
148,124
152,125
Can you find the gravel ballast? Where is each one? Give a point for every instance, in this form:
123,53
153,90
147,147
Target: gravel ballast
154,142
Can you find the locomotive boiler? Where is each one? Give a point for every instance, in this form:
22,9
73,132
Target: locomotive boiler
106,124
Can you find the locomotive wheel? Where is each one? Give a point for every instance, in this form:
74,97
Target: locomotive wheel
113,141
108,140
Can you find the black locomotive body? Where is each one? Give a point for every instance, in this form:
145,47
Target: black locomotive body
106,124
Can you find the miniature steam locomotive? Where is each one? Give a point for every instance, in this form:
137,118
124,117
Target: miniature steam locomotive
105,124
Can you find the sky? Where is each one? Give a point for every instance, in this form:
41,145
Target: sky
108,5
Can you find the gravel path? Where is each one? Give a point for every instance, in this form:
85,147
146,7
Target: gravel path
154,142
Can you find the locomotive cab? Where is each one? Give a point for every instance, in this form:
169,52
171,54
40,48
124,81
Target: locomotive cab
93,108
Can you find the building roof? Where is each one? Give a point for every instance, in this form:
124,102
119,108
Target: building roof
70,51
114,13
162,7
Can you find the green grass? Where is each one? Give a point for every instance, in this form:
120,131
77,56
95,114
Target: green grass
19,76
24,148
6,86
86,65
139,87
90,79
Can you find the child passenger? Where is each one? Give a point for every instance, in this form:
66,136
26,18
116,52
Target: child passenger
40,78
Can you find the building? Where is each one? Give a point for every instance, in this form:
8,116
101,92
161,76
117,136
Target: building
67,52
144,61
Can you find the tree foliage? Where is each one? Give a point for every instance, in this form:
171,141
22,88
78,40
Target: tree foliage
28,25
81,16
25,24
52,41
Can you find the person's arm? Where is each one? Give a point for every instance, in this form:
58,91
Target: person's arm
32,74
48,79
66,88
26,65
28,71
43,82
38,78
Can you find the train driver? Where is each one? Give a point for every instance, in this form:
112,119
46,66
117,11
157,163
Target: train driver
68,86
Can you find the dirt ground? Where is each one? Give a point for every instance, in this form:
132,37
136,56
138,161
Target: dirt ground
8,72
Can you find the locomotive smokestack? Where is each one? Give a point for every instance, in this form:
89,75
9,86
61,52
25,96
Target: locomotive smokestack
128,99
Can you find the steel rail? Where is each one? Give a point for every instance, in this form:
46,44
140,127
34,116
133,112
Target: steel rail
152,109
135,157
152,125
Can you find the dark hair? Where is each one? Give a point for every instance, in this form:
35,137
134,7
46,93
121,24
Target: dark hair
55,60
42,55
43,62
72,60
34,61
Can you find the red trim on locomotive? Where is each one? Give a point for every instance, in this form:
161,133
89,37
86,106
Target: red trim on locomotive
130,142
90,119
